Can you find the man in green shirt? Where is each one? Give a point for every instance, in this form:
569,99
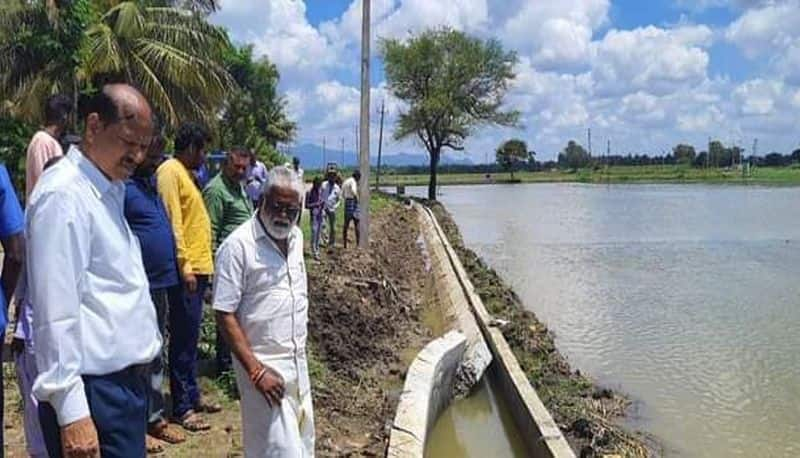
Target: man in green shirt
228,207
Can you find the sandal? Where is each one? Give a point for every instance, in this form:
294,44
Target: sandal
193,422
207,407
162,432
153,445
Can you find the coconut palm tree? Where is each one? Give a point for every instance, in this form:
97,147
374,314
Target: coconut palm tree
172,54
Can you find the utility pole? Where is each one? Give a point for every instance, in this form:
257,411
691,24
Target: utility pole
363,189
324,159
589,135
342,151
380,148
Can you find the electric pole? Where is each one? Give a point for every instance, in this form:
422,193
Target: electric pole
363,188
380,148
342,151
589,135
324,159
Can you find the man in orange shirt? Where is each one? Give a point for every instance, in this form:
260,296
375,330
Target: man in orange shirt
192,228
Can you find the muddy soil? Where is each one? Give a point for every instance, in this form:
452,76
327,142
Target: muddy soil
365,326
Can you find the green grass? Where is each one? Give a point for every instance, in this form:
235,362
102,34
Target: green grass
616,174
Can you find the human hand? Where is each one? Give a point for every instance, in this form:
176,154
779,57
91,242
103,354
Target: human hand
271,385
191,282
79,439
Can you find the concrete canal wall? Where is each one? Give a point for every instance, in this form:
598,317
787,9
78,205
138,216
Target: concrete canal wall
431,379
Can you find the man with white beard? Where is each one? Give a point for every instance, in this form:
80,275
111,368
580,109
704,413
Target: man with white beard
261,304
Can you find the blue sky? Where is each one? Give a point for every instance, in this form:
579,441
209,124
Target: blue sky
644,74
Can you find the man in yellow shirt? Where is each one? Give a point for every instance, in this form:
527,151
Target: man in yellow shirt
192,227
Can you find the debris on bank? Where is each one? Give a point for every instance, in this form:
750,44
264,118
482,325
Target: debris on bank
586,413
365,326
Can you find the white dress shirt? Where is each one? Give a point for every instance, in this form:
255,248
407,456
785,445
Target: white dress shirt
93,314
331,195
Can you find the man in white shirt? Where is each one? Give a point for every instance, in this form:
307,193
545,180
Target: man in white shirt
351,213
95,328
261,304
331,195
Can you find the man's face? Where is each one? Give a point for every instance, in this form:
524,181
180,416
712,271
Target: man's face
281,208
121,146
236,167
151,160
197,156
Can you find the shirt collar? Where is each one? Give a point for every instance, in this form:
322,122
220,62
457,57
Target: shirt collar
99,182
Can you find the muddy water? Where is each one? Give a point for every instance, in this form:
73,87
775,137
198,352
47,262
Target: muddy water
478,426
684,296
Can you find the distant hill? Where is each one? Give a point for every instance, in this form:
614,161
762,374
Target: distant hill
311,157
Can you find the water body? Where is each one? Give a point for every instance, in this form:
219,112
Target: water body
478,426
687,297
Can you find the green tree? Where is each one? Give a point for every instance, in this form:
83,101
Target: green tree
511,153
716,153
174,55
574,156
452,84
255,115
684,154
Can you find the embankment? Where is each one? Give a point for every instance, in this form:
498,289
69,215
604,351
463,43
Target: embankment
585,412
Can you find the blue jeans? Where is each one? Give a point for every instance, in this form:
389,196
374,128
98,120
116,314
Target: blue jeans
184,336
118,406
316,231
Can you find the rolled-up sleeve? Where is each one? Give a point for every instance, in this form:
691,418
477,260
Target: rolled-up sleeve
58,254
228,277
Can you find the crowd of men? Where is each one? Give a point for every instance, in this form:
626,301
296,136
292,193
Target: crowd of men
110,267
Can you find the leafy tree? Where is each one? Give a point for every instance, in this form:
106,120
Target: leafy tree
684,154
255,115
172,54
796,155
774,160
452,84
511,153
717,153
574,156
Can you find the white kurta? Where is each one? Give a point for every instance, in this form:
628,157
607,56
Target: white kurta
268,294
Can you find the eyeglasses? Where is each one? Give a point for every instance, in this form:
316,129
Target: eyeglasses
290,210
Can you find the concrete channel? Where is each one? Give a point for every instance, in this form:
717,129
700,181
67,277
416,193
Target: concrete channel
460,357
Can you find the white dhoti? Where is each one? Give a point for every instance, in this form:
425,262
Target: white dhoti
270,432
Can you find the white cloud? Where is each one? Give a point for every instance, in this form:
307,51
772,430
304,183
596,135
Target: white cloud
644,89
554,34
650,59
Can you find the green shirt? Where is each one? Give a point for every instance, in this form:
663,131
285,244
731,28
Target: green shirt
228,207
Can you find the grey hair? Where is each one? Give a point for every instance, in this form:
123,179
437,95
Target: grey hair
284,177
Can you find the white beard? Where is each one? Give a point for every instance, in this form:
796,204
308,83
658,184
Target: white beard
274,230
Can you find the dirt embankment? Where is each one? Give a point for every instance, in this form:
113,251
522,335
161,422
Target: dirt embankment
365,325
585,412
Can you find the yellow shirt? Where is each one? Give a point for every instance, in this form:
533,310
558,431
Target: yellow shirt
187,213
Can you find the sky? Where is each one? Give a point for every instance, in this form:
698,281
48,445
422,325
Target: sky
643,75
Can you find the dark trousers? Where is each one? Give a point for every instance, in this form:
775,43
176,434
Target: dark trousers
223,356
184,335
164,299
118,406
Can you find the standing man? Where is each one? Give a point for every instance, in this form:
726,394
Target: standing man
350,194
192,230
331,193
45,143
95,328
256,179
148,219
228,207
261,300
12,225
